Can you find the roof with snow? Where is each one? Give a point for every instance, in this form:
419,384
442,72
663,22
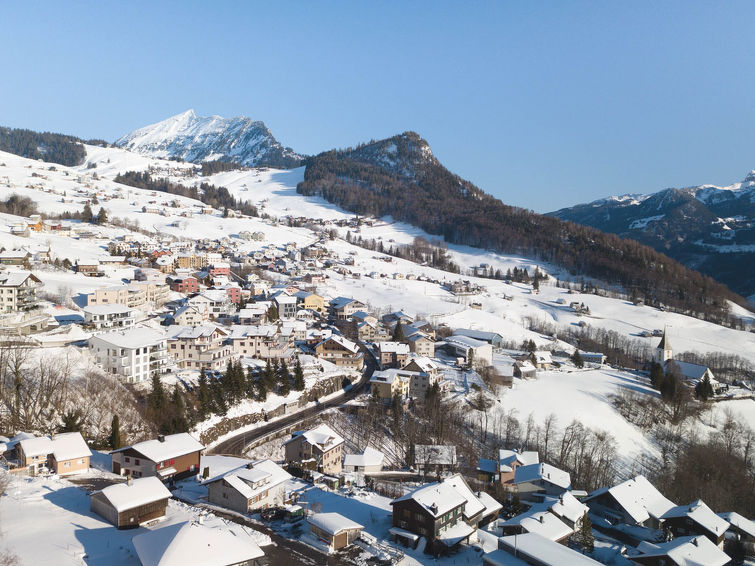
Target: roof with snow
533,547
141,491
689,371
173,446
542,522
701,514
321,436
687,551
567,506
345,342
64,446
332,523
436,498
16,278
638,497
340,302
393,347
465,341
137,337
506,458
192,543
113,308
473,505
176,332
423,363
370,457
253,478
738,521
544,472
478,334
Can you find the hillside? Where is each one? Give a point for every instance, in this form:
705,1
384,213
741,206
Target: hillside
53,148
195,138
707,228
400,177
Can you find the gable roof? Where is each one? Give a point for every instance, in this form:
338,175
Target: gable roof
370,457
638,497
739,522
435,498
332,523
64,446
321,436
253,478
701,514
542,471
687,551
541,521
141,491
173,446
544,551
192,543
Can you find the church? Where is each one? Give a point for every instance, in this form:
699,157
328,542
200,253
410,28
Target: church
691,373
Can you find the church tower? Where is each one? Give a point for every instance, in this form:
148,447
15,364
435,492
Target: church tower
663,351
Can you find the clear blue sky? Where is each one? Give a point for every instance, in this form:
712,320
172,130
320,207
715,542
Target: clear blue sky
541,104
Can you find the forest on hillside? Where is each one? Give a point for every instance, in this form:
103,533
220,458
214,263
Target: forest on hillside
441,203
53,148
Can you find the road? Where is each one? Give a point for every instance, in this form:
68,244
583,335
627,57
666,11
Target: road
234,446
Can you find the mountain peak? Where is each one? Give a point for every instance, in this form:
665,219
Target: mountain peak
198,138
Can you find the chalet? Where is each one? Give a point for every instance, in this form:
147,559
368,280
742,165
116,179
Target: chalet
89,269
62,454
370,460
334,529
540,521
15,257
319,447
683,551
185,543
253,486
18,291
541,478
469,349
492,338
171,457
433,458
200,347
535,550
392,354
632,502
541,359
341,352
343,307
188,315
421,344
741,529
132,503
695,519
392,318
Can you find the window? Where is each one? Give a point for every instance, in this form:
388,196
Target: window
127,459
137,461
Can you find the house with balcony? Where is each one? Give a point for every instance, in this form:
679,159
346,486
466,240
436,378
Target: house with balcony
170,457
392,354
202,347
266,342
250,487
132,354
101,317
318,449
341,352
343,307
18,291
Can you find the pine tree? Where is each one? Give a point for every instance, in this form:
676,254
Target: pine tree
156,399
178,420
704,388
115,433
86,214
585,538
71,421
656,375
398,332
284,379
102,216
250,385
298,376
272,313
203,395
577,360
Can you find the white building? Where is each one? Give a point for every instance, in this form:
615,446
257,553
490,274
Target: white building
255,485
131,354
18,291
109,316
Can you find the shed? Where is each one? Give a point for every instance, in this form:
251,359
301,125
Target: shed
334,529
132,503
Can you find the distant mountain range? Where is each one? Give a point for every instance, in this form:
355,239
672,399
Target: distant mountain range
707,228
195,139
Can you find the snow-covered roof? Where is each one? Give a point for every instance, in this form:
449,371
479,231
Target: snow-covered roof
172,446
252,478
345,342
491,504
423,362
465,341
507,457
502,558
390,375
541,522
687,551
534,547
321,436
689,371
16,278
740,522
340,302
239,331
431,454
455,534
370,457
436,498
542,471
568,506
477,334
191,543
332,523
113,308
176,332
141,491
65,446
701,514
639,498
137,337
474,505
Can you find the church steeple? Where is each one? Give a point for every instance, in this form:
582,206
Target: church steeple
663,351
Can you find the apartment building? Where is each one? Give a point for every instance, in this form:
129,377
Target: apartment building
102,317
18,291
199,347
132,354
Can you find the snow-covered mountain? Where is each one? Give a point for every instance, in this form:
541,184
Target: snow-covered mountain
206,138
707,227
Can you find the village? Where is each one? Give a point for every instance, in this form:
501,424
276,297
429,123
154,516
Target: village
286,416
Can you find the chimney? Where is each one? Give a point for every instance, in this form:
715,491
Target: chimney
542,518
694,541
161,437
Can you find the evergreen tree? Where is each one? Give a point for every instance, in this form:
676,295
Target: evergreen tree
178,409
250,383
704,388
656,375
398,332
261,389
156,400
204,396
285,379
86,214
272,313
585,538
71,421
102,216
298,376
115,433
577,360
671,383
